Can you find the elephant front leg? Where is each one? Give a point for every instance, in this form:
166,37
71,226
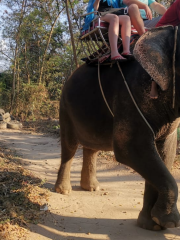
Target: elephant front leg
142,156
144,219
88,173
167,150
164,212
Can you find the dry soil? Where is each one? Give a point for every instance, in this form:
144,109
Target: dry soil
109,214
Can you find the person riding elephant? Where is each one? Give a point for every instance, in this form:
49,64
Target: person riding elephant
104,7
140,13
171,17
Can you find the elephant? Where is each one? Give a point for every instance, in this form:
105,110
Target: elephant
86,120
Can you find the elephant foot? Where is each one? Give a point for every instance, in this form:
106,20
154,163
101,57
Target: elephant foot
63,188
90,186
166,220
145,221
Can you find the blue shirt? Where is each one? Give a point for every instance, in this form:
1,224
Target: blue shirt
142,11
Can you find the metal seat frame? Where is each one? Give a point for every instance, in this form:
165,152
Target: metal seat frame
94,41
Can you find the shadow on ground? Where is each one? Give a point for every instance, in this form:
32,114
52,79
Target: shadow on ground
63,227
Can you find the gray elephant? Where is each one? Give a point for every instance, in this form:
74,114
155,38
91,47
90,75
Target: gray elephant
86,120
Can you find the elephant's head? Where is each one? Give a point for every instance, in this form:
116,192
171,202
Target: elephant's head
154,51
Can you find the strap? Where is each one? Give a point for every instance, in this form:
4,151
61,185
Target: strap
99,78
135,101
174,70
129,91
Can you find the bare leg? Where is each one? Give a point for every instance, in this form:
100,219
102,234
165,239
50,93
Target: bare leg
153,92
125,23
113,32
136,19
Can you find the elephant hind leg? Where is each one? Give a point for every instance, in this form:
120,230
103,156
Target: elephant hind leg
69,146
88,173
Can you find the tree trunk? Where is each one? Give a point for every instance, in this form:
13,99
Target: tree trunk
16,55
71,33
18,80
26,64
14,78
49,39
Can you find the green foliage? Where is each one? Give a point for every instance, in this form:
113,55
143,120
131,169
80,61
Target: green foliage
54,90
5,89
178,133
40,52
5,81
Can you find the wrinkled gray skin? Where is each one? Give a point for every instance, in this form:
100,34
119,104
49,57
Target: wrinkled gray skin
85,120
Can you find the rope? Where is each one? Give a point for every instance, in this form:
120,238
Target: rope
99,79
174,55
135,101
174,70
102,89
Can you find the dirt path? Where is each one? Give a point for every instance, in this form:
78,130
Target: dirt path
108,214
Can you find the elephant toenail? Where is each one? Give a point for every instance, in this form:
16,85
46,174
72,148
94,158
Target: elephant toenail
157,228
170,225
144,226
65,192
97,188
178,224
156,220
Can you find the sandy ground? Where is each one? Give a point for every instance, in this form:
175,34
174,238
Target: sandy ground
109,214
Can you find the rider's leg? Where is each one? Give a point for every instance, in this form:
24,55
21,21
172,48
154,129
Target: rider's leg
125,23
113,32
136,18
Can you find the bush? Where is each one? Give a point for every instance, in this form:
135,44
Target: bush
33,102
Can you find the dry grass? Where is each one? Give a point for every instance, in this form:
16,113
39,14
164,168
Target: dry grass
21,195
45,126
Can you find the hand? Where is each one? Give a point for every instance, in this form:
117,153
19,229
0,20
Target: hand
148,13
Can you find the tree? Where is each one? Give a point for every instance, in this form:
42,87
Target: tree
42,41
71,33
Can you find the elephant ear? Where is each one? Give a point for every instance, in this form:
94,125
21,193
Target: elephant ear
154,51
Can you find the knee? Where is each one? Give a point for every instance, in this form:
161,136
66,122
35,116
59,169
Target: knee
125,18
133,8
114,19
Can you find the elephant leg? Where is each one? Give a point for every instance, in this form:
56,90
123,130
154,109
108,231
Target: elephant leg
167,150
69,146
88,173
144,219
141,155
